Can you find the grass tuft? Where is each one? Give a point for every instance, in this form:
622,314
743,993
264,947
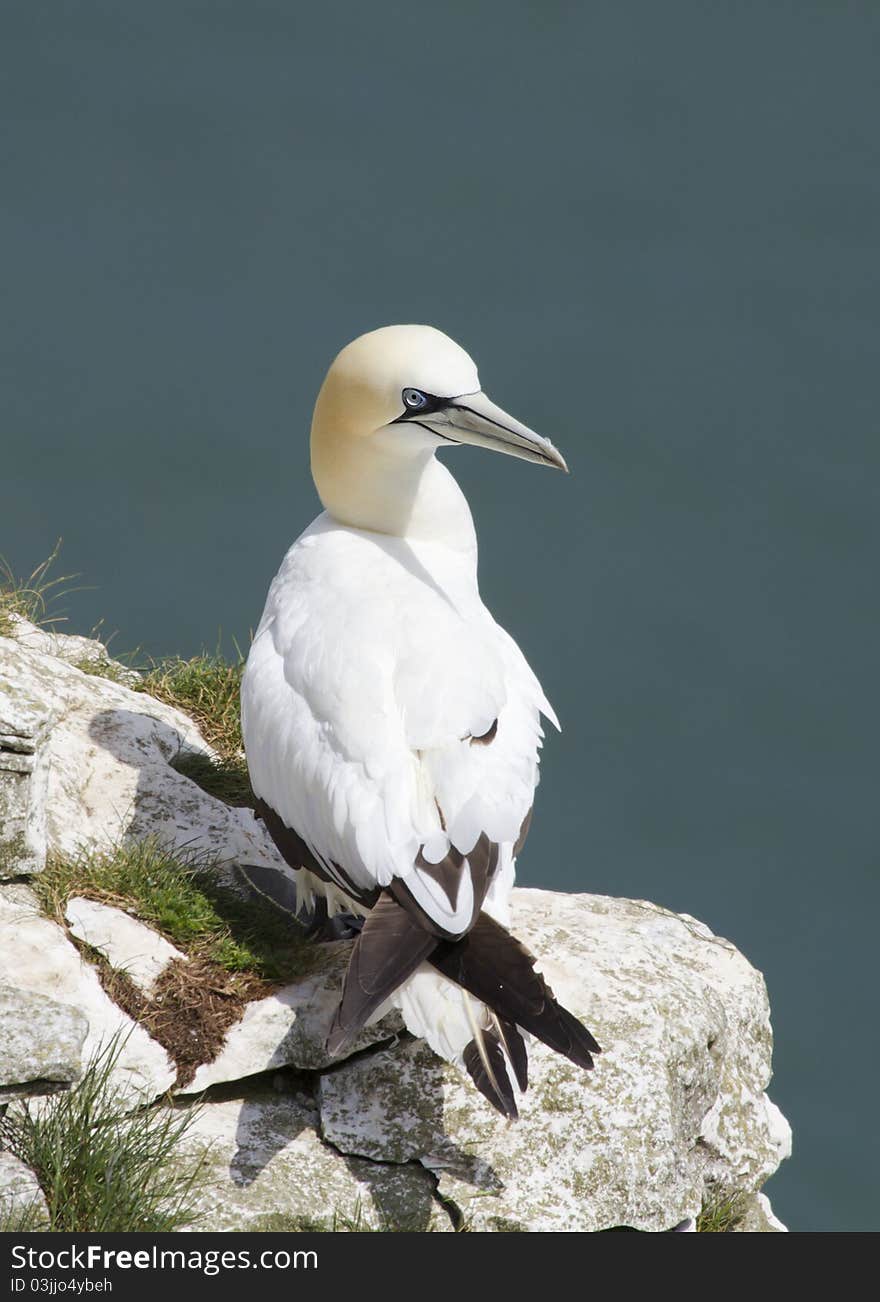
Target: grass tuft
723,1216
103,1170
237,951
31,597
178,894
30,1220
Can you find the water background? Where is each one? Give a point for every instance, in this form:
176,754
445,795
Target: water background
656,228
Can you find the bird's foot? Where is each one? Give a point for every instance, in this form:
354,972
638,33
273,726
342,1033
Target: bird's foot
321,928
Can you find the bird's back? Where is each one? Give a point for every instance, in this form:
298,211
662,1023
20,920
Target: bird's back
384,711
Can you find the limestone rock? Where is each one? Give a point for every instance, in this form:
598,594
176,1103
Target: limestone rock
267,1169
21,1198
40,1039
37,959
759,1218
674,1110
72,648
107,755
24,779
127,944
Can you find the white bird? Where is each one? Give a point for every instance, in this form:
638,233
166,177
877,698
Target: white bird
392,728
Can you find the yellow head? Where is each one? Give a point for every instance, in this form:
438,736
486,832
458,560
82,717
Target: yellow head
390,399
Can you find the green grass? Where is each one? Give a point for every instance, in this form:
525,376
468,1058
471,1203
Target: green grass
723,1216
101,1169
30,1221
178,894
237,950
31,597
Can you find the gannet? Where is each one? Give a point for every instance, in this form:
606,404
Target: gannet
392,728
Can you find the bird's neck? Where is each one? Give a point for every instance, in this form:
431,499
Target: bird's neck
408,496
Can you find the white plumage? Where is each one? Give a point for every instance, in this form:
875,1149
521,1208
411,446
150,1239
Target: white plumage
388,721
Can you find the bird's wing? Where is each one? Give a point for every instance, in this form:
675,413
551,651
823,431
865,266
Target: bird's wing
391,724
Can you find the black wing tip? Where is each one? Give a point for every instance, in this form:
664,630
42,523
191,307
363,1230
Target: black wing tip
496,1088
582,1043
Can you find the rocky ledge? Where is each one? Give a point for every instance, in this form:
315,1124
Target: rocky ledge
673,1119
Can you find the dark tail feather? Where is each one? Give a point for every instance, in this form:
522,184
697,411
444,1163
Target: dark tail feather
389,949
498,970
516,1052
490,1076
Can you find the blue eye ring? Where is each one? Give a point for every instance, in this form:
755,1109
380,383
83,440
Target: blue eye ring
414,399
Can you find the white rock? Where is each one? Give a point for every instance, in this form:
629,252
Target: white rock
773,1225
74,649
36,958
108,756
674,1110
24,781
40,1039
289,1027
754,1215
21,1198
267,1169
127,944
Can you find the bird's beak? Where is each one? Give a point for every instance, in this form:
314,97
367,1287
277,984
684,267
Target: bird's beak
472,418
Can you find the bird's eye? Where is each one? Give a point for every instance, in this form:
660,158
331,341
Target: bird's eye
414,399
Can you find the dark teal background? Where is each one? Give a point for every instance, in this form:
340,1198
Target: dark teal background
656,227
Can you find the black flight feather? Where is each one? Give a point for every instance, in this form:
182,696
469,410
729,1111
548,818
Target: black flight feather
498,970
496,1087
516,1052
389,949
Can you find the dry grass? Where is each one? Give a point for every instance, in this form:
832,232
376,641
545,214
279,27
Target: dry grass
192,1006
32,597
